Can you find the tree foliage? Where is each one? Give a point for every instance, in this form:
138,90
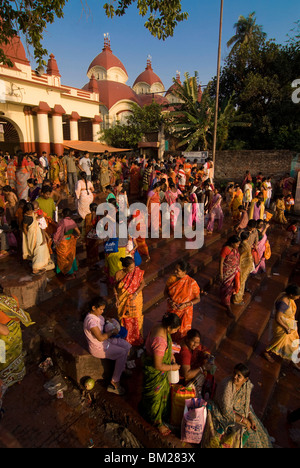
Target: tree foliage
259,73
163,16
192,120
141,121
31,17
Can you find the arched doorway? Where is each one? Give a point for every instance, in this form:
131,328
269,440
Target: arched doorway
9,137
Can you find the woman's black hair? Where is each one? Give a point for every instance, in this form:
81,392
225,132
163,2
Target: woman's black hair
28,207
193,333
83,176
66,213
183,265
245,235
170,320
232,240
126,261
93,207
292,290
244,370
96,302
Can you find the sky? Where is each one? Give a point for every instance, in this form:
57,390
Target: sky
78,38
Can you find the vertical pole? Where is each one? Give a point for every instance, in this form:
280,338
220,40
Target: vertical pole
218,85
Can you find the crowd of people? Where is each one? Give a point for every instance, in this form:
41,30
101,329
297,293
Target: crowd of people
48,203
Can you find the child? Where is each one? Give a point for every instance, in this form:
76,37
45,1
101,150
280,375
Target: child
46,203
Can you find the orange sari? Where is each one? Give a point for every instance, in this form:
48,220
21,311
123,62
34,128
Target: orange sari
180,291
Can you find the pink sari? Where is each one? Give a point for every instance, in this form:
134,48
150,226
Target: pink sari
171,198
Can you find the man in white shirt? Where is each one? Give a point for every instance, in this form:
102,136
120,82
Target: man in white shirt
85,165
44,162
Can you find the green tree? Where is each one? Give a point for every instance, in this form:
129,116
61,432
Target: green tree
29,17
192,122
246,30
163,16
142,120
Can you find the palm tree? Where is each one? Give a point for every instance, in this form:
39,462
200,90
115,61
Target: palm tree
192,121
246,29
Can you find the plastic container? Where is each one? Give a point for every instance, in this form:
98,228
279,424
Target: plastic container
173,376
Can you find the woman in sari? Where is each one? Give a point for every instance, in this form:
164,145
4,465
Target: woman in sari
128,290
157,362
237,201
119,168
153,207
262,228
92,241
84,192
231,421
257,207
54,169
135,179
279,216
34,246
182,293
229,272
284,340
22,176
246,265
171,197
11,317
104,173
65,242
196,362
215,212
3,169
141,227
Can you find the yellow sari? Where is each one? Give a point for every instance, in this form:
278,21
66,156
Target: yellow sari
13,369
283,344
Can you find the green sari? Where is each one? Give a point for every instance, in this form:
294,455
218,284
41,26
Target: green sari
155,404
13,369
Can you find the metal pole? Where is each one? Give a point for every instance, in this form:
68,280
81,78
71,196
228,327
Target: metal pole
218,85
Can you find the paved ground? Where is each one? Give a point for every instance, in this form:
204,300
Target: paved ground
33,418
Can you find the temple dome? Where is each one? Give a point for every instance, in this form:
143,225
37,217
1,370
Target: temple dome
105,62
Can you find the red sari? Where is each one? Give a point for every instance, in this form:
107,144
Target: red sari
231,275
130,310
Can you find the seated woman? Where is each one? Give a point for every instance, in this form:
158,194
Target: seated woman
194,360
157,361
65,240
231,421
104,345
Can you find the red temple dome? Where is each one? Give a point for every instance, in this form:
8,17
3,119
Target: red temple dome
148,76
106,59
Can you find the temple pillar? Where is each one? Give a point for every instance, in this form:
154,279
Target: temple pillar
74,126
43,126
96,127
57,127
